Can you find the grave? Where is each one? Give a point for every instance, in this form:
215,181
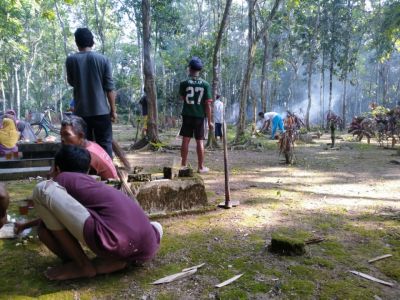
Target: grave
170,195
35,160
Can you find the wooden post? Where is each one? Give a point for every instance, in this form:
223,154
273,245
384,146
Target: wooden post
228,203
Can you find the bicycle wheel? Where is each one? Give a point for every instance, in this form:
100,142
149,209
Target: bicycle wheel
39,130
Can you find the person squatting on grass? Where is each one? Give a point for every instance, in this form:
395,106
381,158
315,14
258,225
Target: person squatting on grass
76,209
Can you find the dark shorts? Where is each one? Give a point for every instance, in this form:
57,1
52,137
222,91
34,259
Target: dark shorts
192,126
218,129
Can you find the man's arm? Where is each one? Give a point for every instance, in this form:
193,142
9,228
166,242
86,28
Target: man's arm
267,123
111,100
208,114
68,68
19,227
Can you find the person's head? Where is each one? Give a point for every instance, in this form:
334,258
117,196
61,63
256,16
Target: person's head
261,115
9,124
4,201
72,158
73,131
84,38
195,65
218,97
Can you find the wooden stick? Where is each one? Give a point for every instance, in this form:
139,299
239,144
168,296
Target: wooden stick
226,282
124,184
194,267
174,277
226,168
366,276
314,240
379,258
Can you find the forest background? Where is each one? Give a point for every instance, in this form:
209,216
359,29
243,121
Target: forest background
307,56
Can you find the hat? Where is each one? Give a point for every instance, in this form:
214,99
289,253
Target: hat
195,63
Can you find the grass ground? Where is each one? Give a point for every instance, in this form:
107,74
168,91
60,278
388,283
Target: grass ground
349,196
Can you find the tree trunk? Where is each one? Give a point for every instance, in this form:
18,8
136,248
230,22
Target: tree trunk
149,80
99,14
62,29
245,83
17,91
211,142
330,82
344,104
3,95
309,77
322,91
263,83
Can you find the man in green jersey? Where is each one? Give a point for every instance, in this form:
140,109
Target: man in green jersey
196,95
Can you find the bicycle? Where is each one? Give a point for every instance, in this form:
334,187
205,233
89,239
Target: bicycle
45,122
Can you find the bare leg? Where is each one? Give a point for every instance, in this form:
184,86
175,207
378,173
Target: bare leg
200,153
51,243
184,150
108,265
79,267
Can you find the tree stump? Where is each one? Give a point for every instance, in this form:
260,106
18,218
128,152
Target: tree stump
284,245
186,172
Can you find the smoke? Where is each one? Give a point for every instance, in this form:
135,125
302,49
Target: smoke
317,108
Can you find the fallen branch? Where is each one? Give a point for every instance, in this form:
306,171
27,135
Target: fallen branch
185,273
195,267
174,277
226,282
366,276
123,177
379,258
314,240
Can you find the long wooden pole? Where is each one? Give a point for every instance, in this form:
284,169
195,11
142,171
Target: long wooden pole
226,169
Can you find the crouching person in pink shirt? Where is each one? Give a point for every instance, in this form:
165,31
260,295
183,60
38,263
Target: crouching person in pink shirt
76,209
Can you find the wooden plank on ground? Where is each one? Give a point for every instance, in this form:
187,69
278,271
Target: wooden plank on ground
194,267
174,277
369,277
226,282
379,258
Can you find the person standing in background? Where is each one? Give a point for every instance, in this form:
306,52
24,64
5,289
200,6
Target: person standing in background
89,73
196,95
143,104
218,116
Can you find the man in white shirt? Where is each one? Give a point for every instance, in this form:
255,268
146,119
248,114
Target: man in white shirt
275,119
218,117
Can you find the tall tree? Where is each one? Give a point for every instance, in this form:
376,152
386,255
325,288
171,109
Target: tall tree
148,71
211,142
251,51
